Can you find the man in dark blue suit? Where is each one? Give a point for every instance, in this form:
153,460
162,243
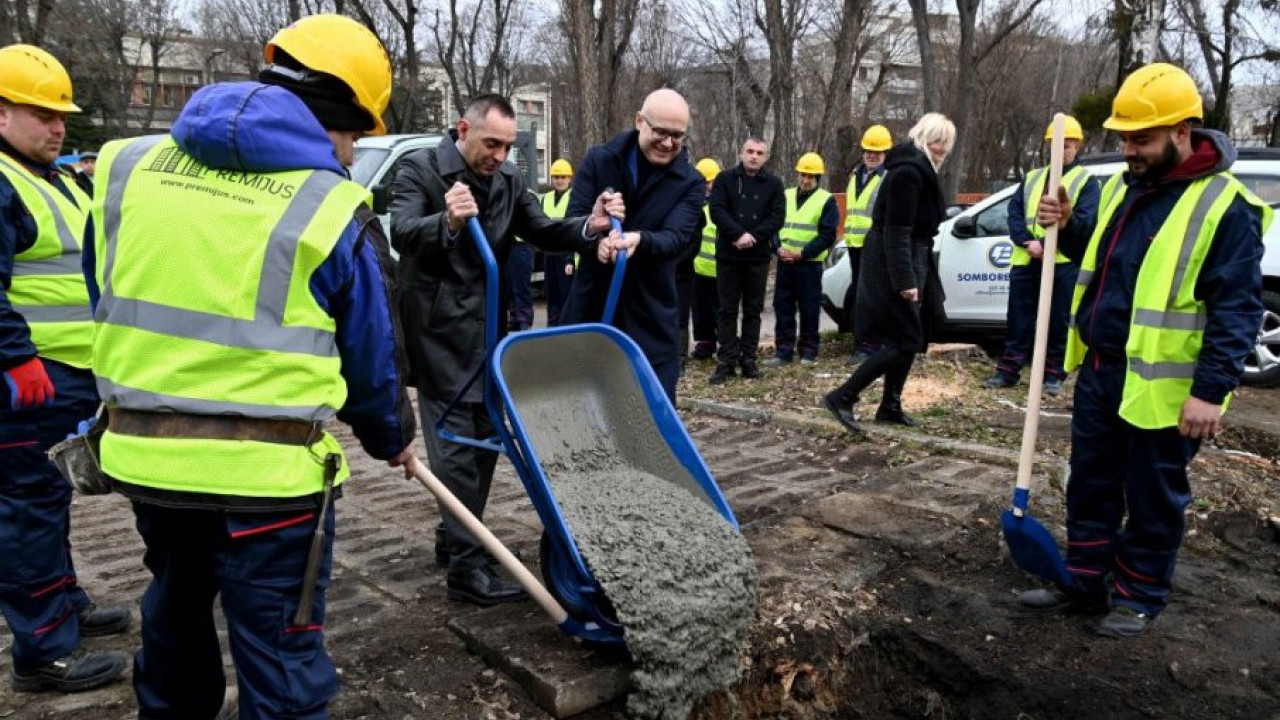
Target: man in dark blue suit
663,194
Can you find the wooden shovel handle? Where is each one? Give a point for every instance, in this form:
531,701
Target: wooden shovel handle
1031,426
490,542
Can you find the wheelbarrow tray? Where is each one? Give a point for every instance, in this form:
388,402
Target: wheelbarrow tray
585,389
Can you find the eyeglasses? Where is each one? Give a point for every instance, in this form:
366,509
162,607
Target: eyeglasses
663,134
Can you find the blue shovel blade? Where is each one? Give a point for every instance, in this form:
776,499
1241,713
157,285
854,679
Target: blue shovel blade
1034,549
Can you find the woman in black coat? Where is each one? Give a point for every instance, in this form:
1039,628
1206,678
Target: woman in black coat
895,270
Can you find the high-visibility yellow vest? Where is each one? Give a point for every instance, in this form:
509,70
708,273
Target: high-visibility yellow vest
858,207
48,287
1032,190
801,226
1166,329
705,263
206,309
555,209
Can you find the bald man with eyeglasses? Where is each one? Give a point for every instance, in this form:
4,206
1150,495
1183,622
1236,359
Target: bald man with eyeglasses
663,194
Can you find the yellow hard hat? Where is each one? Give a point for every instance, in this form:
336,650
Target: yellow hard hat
339,46
1071,130
877,139
561,168
1155,95
709,168
811,163
31,76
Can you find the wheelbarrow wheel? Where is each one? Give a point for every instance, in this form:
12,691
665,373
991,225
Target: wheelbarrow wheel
546,564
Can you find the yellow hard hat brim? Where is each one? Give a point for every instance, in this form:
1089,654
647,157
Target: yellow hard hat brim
64,107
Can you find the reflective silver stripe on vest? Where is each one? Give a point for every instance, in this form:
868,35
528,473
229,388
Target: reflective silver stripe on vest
1115,184
123,396
1083,278
1162,370
1074,188
282,247
265,330
704,255
1028,186
65,238
54,313
800,226
1212,192
66,264
1170,320
121,168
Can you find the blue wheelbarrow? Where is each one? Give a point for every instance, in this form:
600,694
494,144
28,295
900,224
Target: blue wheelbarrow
553,394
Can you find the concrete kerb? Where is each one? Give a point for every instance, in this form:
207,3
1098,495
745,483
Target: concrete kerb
1045,465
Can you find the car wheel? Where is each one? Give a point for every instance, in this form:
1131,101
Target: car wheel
1262,366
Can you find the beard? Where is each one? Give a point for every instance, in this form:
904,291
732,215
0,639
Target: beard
1153,170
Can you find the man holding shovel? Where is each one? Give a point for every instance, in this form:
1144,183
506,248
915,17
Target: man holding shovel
1166,307
442,305
242,306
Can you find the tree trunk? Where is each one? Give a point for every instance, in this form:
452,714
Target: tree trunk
836,112
928,60
966,87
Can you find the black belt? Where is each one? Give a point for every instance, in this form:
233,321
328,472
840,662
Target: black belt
212,427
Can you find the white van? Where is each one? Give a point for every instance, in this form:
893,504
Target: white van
973,252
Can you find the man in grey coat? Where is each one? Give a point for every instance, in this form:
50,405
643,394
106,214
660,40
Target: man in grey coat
442,305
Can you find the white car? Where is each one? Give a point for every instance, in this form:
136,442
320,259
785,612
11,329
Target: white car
973,252
375,167
377,159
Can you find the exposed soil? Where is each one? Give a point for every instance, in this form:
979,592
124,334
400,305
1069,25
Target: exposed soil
851,627
857,627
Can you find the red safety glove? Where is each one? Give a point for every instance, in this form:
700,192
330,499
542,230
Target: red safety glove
29,385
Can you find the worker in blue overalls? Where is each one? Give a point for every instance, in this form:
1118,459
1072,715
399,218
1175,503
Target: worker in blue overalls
1165,309
45,336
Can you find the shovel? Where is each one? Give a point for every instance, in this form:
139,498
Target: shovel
570,625
1032,547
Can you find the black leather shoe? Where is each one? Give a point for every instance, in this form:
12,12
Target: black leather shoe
74,673
1124,622
843,414
750,371
483,587
895,416
999,380
1048,601
723,374
443,556
99,622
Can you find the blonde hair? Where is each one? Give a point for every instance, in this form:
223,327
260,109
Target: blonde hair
933,128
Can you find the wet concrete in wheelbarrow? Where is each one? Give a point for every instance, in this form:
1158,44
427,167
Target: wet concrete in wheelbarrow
680,578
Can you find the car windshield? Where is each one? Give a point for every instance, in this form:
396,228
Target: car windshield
368,160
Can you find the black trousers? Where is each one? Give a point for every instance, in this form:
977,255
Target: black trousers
466,471
740,285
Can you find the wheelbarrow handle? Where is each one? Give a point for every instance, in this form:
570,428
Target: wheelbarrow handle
491,543
615,285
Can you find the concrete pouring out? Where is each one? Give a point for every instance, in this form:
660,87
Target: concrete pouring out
681,579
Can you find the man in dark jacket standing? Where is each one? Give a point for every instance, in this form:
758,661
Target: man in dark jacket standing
664,195
748,207
442,304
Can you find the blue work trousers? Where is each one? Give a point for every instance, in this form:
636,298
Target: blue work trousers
706,311
519,274
38,592
556,283
798,288
1117,470
256,561
1024,302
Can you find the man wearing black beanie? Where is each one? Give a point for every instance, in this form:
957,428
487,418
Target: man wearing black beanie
242,305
